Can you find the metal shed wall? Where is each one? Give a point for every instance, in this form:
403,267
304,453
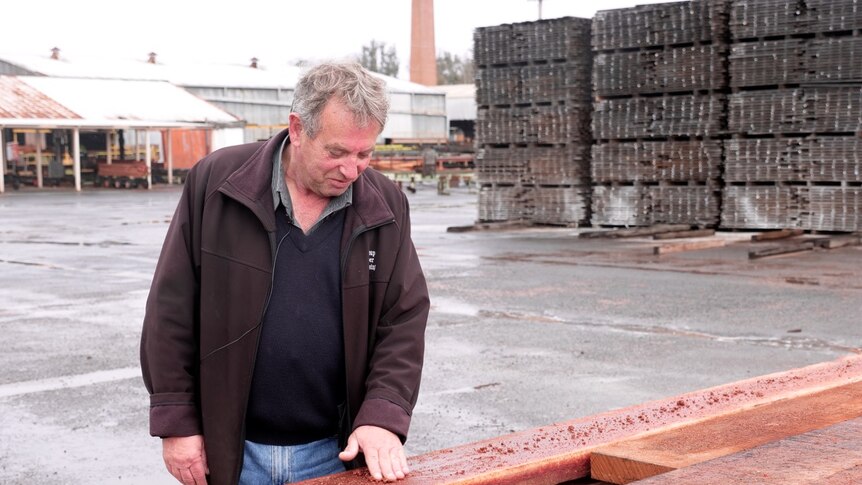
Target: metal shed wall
266,111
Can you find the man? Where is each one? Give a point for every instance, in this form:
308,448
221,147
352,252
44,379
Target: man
287,312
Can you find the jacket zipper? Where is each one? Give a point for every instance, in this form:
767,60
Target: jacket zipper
348,421
257,343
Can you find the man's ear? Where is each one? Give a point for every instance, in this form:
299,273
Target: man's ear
294,125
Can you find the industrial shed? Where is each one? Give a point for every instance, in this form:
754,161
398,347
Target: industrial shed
461,110
259,95
34,109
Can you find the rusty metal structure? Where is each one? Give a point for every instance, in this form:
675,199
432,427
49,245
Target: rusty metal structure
660,81
795,116
532,128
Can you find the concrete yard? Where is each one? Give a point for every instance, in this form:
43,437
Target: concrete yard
528,326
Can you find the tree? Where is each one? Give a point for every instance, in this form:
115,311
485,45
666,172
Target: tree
454,69
378,57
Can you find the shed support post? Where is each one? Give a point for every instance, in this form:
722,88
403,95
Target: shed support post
170,157
148,156
2,163
109,138
76,148
39,138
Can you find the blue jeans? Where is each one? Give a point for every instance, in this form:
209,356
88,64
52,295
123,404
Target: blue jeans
275,465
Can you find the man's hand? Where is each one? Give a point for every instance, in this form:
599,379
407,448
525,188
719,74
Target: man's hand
383,452
186,459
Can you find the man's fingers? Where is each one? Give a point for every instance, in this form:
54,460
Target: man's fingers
199,474
351,450
385,461
185,459
373,462
186,477
399,465
403,459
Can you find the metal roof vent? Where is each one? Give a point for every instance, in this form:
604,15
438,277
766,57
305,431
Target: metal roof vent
152,58
254,62
55,53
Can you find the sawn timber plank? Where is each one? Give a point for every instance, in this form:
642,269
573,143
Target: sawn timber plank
827,456
636,459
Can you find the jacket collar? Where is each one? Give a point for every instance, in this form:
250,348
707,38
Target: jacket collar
251,185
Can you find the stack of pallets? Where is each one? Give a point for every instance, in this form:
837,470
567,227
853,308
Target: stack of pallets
660,81
533,121
796,116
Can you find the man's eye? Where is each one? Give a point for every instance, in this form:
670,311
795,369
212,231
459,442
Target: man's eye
336,153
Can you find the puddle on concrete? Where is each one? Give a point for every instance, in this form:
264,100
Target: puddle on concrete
453,306
29,263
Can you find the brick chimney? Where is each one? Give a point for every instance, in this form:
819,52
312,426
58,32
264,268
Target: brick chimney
151,58
55,53
254,62
423,54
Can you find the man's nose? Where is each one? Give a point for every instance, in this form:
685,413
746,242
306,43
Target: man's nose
350,168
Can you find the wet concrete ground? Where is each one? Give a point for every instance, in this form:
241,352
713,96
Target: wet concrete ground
528,327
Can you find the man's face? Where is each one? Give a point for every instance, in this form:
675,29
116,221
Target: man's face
327,164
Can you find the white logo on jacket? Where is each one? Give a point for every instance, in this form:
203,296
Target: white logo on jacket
371,256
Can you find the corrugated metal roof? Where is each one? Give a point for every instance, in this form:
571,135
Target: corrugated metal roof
186,74
221,75
103,103
20,100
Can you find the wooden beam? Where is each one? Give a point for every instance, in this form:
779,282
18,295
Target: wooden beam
76,157
775,251
839,241
491,226
628,461
109,136
689,246
170,155
560,452
148,159
2,162
636,231
828,456
40,137
684,234
773,235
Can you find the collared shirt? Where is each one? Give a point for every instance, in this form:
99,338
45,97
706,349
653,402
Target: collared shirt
281,194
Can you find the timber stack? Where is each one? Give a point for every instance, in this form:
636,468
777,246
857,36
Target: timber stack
794,160
533,121
660,85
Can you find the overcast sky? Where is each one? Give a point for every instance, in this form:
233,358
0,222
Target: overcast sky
276,31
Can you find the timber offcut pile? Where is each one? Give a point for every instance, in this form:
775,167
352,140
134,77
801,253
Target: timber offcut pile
660,81
533,121
796,116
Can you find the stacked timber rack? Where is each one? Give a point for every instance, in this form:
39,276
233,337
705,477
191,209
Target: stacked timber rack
533,123
660,85
796,116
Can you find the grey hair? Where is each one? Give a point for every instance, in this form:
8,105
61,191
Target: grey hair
363,94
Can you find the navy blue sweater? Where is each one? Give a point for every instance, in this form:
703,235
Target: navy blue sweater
298,386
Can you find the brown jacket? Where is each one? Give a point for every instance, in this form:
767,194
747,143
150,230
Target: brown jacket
212,285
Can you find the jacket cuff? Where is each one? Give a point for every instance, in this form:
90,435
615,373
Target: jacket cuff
383,414
174,415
